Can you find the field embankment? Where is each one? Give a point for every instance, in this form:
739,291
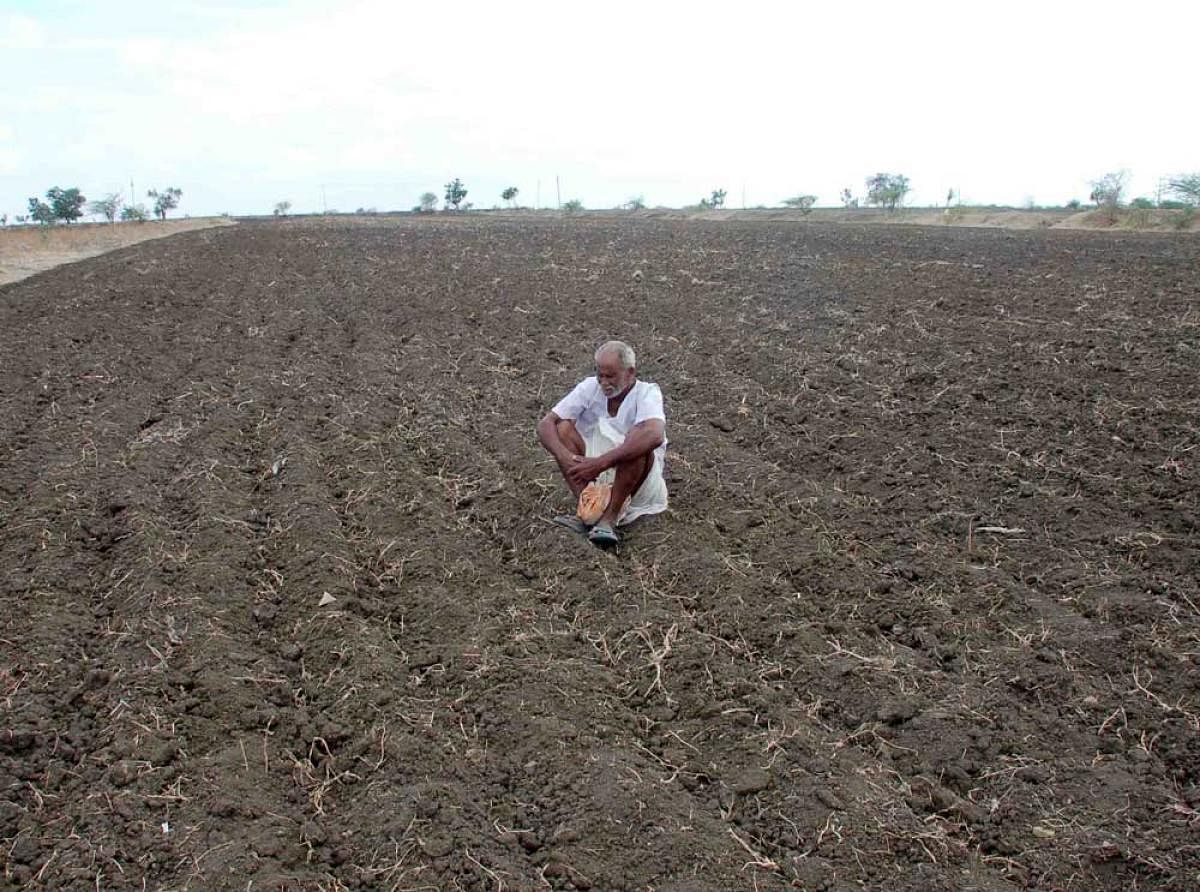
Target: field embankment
26,250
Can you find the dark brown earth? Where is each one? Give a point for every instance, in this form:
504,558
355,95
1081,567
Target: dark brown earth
924,614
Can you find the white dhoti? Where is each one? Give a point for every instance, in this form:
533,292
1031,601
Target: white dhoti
651,497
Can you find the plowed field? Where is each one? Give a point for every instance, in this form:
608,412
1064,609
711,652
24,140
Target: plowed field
924,613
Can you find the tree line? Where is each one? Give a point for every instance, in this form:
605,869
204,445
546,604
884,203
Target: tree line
884,190
68,205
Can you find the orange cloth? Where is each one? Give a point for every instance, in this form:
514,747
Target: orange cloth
592,501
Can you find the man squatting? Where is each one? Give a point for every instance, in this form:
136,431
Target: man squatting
610,428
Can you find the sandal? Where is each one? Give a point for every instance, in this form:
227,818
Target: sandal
572,523
603,535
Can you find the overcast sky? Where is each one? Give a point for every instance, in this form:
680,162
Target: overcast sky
370,103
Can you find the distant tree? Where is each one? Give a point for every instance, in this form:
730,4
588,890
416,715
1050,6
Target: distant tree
3,219
636,203
848,199
1141,203
1186,188
510,195
1107,191
164,201
282,208
718,198
428,203
106,207
455,193
66,204
135,213
887,190
949,198
1073,204
572,206
802,203
40,212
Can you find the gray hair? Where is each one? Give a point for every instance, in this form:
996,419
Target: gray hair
623,351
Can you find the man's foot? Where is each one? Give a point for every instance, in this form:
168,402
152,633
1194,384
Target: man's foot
603,535
572,523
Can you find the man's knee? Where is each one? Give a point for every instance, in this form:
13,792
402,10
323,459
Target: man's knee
569,435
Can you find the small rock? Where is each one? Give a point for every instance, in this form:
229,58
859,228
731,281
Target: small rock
264,614
162,753
326,599
222,808
314,833
24,850
752,780
896,712
424,658
829,800
438,846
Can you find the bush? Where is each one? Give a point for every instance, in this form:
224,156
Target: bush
572,206
802,203
40,212
1186,188
106,207
281,209
1074,204
135,213
887,190
165,201
1142,204
637,203
1107,191
455,193
67,204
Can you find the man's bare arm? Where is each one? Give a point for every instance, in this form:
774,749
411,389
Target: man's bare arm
641,439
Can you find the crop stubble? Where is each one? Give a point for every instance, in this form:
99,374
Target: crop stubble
923,615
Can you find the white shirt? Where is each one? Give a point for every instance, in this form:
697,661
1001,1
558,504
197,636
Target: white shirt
587,404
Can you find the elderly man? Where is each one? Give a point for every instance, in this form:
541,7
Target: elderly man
610,429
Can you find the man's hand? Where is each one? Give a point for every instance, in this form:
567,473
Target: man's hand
583,471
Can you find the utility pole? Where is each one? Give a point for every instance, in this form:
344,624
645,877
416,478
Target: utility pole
324,203
558,191
132,200
537,204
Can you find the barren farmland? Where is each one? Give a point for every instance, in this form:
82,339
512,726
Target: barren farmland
924,614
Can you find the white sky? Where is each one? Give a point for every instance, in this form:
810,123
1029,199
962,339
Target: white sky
243,104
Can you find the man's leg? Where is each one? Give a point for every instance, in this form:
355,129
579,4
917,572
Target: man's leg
573,441
628,479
